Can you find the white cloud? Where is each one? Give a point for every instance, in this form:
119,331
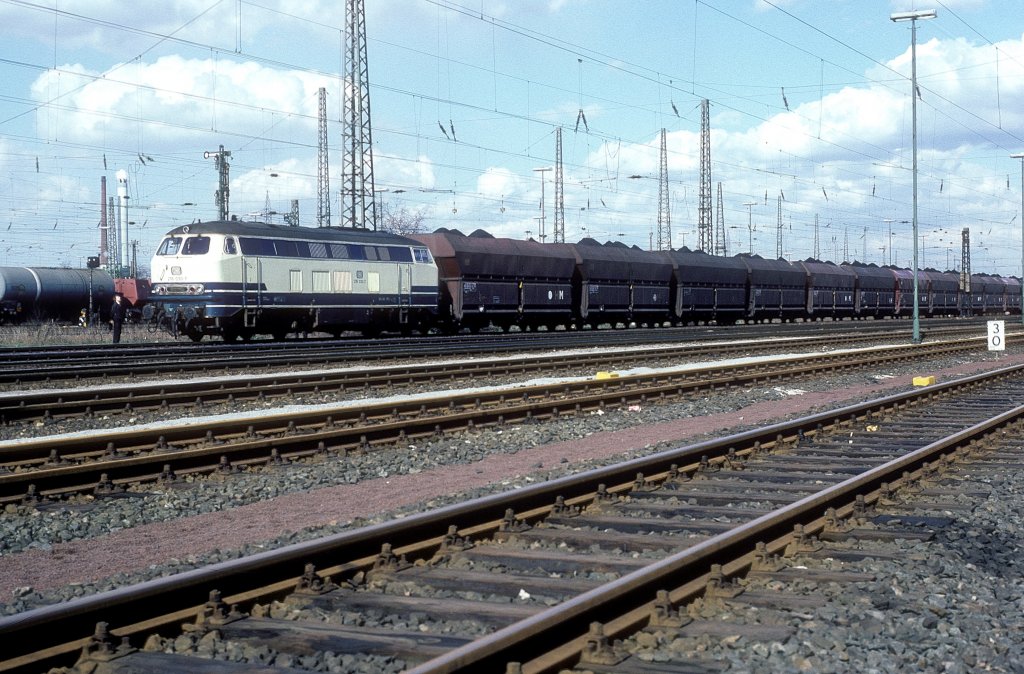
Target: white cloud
498,182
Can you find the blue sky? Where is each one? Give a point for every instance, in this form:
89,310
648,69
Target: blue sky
809,101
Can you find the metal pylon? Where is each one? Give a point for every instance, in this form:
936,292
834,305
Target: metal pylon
358,203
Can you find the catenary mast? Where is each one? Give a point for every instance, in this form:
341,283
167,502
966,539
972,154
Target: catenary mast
704,213
359,208
323,185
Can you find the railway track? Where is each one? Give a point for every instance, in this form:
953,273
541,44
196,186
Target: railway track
132,397
54,365
108,462
555,575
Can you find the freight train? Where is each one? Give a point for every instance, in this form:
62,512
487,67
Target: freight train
238,279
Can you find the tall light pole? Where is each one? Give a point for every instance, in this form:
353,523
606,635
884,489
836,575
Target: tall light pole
1021,157
912,17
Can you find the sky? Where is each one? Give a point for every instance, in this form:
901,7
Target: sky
810,115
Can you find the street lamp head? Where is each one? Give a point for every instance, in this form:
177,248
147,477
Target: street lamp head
913,16
1019,155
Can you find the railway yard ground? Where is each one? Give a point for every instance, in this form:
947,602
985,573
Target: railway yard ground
952,601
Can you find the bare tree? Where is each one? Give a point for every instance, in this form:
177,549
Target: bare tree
400,220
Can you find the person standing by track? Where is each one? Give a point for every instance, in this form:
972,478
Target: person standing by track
117,313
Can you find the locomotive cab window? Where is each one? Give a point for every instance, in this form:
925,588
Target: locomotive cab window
196,245
229,246
169,246
422,255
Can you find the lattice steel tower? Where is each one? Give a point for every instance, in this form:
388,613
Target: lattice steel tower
721,238
704,213
559,190
323,182
664,219
358,204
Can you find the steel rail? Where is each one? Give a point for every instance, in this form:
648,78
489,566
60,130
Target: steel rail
54,365
625,605
132,397
58,465
51,636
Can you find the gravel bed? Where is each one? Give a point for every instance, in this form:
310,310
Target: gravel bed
113,419
59,533
954,604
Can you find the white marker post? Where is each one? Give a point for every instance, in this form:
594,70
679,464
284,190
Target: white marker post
996,341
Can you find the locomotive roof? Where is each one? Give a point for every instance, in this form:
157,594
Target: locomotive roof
336,234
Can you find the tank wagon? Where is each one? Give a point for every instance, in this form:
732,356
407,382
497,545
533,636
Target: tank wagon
237,279
52,293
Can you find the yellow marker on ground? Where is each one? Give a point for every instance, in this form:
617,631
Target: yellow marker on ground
924,381
606,375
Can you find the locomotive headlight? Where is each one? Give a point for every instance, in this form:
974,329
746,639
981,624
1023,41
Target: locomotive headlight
195,290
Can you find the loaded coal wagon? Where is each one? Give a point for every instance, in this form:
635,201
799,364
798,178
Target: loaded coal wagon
943,298
620,284
830,290
708,287
778,289
876,290
487,281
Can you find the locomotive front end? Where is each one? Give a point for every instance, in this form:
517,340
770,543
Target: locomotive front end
187,273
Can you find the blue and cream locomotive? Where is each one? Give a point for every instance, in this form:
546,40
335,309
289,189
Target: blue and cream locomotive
236,279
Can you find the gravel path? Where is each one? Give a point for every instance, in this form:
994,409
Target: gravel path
79,549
